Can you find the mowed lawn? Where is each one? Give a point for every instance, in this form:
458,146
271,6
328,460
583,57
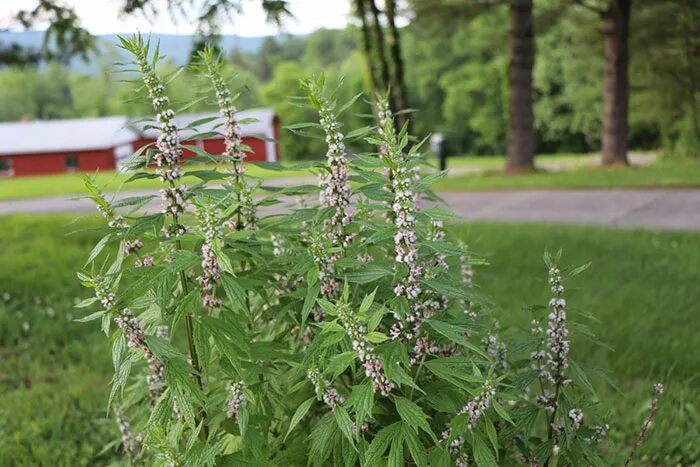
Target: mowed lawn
486,173
641,286
672,173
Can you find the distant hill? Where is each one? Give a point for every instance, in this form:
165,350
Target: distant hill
175,46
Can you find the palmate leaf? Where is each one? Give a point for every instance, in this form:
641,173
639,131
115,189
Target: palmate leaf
413,415
340,362
381,442
235,293
323,437
178,377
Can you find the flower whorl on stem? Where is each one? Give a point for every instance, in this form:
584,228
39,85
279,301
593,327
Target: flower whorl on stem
136,338
324,389
168,157
365,352
402,175
211,270
246,215
335,189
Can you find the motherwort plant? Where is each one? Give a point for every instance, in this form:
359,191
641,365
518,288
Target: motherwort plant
208,307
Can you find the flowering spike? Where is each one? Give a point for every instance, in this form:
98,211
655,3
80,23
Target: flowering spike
402,175
476,407
237,399
168,158
365,352
136,338
324,389
245,216
335,189
211,270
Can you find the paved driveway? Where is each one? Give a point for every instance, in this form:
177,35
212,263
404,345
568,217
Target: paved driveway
662,209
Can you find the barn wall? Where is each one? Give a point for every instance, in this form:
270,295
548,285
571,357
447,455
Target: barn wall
258,154
216,146
54,163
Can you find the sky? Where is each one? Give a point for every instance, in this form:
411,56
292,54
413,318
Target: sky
102,17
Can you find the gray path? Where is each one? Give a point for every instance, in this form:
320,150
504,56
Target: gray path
662,209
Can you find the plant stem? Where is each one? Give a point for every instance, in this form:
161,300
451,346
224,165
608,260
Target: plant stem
190,340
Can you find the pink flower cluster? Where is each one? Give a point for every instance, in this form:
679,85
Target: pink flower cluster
335,190
168,158
467,273
130,443
557,332
456,449
496,349
370,361
323,387
211,270
104,292
132,246
476,407
326,272
246,215
404,205
237,399
136,338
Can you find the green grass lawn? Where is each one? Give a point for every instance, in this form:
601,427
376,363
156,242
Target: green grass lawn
642,286
72,183
678,173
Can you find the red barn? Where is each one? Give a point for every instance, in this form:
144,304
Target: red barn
260,133
59,146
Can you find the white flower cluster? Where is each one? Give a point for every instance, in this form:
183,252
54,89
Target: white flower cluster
496,349
323,387
104,292
335,190
136,338
130,443
246,216
557,332
467,274
237,399
370,361
211,270
168,157
576,417
404,205
476,407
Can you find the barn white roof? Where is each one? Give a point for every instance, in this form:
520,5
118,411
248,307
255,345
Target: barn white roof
84,134
45,136
260,124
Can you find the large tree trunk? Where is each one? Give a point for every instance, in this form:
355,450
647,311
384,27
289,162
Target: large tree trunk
374,74
383,64
398,81
616,83
521,133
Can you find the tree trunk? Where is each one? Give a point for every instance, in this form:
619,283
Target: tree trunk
521,133
398,81
383,65
374,76
616,83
